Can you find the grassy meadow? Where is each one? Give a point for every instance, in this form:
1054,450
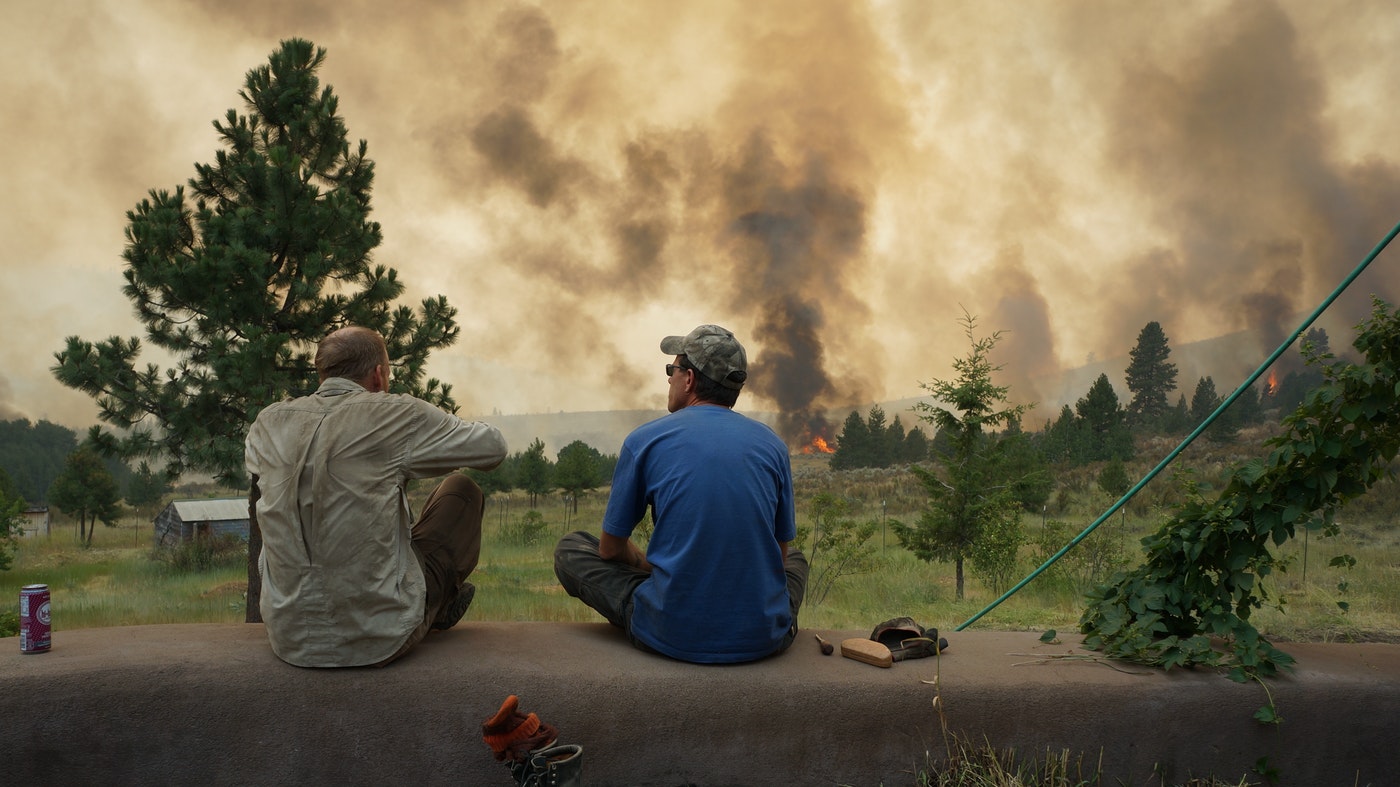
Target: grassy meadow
122,581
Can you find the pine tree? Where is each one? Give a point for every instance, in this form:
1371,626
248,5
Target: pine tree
1105,428
1204,400
1062,440
534,472
894,441
86,490
915,445
881,454
1178,420
1149,377
240,275
578,470
852,445
972,510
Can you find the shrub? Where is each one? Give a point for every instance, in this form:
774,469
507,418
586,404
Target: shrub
526,531
203,554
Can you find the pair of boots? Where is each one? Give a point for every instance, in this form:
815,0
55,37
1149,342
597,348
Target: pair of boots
528,746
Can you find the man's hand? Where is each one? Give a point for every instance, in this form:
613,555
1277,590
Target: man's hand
622,550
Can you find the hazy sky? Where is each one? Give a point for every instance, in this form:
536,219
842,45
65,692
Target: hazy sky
835,182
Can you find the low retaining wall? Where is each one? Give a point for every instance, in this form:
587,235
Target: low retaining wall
210,705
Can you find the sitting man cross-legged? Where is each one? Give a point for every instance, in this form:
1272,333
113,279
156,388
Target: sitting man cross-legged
348,577
718,582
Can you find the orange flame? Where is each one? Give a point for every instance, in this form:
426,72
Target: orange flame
818,446
1271,387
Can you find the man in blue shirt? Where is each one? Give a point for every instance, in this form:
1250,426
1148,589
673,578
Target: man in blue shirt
718,582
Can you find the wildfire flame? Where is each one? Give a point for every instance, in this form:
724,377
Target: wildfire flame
1271,387
818,446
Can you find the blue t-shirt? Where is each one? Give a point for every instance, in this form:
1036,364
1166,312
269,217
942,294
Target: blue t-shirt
719,485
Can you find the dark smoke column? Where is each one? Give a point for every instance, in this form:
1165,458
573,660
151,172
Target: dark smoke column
798,236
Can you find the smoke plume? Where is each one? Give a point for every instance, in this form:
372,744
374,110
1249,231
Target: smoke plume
835,182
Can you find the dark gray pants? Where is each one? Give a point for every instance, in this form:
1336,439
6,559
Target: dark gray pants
607,586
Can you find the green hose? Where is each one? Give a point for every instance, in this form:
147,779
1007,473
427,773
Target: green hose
1210,419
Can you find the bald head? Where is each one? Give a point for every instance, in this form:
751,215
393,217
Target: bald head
352,352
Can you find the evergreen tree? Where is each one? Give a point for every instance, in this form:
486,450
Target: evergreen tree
852,445
1246,409
1105,428
1061,442
502,479
1149,377
1178,420
86,490
11,521
1204,400
1316,344
894,442
146,487
1315,351
9,490
534,471
1025,464
33,455
1113,479
241,275
578,470
972,510
915,445
881,454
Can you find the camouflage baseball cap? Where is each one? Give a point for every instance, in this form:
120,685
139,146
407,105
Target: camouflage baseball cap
714,351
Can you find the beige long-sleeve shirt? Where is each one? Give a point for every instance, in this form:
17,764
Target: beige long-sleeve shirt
340,584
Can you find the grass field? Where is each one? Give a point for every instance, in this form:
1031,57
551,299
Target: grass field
120,581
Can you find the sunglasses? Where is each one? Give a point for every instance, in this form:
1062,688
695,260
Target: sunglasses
672,367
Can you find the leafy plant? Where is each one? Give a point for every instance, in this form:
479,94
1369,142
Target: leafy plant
526,531
1206,566
839,547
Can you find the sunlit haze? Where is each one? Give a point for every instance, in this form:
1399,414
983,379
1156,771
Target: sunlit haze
836,182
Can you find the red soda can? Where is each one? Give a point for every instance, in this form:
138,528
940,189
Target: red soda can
35,631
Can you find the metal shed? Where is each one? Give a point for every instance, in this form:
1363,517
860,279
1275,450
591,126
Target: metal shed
184,520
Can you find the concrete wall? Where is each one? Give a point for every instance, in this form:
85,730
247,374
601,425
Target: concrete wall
210,705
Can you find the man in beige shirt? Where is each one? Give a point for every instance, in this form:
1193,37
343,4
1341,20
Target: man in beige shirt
348,577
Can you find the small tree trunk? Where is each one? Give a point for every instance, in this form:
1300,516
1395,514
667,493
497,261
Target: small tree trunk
959,569
253,613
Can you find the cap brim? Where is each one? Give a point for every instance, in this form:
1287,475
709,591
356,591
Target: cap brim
673,345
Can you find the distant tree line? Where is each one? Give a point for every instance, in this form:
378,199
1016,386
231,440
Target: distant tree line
46,464
577,469
870,442
34,455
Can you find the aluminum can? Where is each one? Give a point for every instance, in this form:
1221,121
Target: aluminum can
35,630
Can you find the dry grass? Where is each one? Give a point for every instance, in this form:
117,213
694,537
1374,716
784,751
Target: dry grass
118,583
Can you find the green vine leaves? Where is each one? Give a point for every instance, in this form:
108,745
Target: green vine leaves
1205,569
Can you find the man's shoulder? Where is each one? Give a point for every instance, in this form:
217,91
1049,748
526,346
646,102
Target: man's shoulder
711,420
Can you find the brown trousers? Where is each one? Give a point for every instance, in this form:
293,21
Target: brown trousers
447,542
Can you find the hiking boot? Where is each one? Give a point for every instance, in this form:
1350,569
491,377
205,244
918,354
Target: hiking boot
556,766
515,736
908,640
448,616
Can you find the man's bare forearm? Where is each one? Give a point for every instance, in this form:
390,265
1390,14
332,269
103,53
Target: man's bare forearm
622,550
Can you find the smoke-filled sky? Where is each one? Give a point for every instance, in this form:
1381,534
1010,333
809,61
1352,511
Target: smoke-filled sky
834,181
